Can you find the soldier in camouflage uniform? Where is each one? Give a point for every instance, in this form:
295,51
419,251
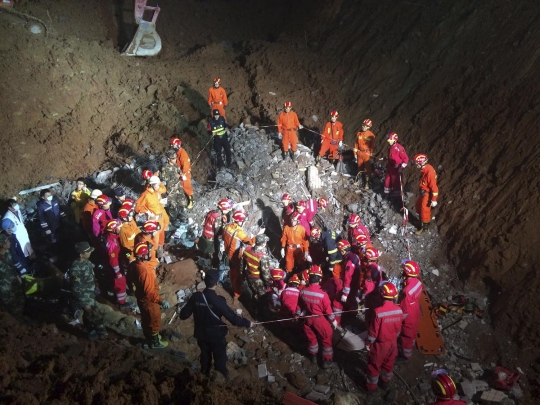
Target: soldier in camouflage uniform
11,293
170,175
83,287
257,267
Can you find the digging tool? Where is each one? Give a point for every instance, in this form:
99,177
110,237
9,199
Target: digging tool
146,41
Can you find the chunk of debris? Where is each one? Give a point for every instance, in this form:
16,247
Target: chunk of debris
262,370
476,367
493,396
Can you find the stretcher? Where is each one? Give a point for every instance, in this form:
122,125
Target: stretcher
429,338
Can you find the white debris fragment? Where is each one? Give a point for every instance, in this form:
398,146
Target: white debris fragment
393,230
435,272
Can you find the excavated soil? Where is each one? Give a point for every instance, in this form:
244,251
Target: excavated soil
456,80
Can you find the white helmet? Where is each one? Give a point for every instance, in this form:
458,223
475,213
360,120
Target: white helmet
154,180
95,194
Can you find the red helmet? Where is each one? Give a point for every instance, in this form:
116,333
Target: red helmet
103,200
239,216
372,254
354,219
217,80
367,123
361,239
296,216
277,274
146,174
289,209
305,275
343,246
334,114
322,202
392,136
410,268
288,104
141,249
301,204
420,159
294,279
286,197
128,203
388,291
315,270
123,213
112,225
176,142
316,233
151,226
443,386
225,204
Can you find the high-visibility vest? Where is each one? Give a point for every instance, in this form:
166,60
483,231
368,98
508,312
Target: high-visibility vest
211,218
253,260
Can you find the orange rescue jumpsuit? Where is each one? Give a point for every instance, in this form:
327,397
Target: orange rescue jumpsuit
428,192
331,136
86,218
148,202
185,165
296,244
233,236
364,149
287,126
217,100
128,232
147,294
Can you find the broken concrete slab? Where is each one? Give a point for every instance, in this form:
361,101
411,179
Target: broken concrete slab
467,388
476,367
262,370
315,396
323,389
493,396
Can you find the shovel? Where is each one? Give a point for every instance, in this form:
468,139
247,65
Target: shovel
146,41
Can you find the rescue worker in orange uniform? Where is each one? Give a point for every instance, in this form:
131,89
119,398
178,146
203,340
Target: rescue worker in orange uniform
212,232
288,124
150,236
294,244
147,294
128,232
381,342
217,98
184,163
332,138
410,305
150,203
363,148
429,192
234,238
257,267
314,301
397,161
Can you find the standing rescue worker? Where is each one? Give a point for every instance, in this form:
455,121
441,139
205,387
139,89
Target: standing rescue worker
217,98
356,227
50,215
150,236
208,308
429,192
101,217
17,256
410,305
83,288
11,292
212,231
112,244
363,148
288,209
78,199
314,301
289,297
381,342
332,138
397,161
257,266
218,127
172,178
88,215
128,232
184,163
333,287
294,244
234,238
117,201
288,124
15,215
143,276
444,389
329,242
350,274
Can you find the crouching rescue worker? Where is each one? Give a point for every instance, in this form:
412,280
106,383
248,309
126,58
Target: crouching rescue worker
314,301
257,267
143,276
207,309
410,305
212,231
429,192
83,288
382,339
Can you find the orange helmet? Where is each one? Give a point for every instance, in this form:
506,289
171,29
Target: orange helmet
146,174
286,197
175,142
151,226
443,386
322,202
316,233
294,279
112,226
239,216
315,270
103,200
344,246
217,80
392,136
372,254
388,291
420,159
296,216
410,268
141,249
361,239
354,219
334,114
288,104
301,204
277,274
367,123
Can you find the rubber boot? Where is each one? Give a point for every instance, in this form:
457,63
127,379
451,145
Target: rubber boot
313,358
424,228
318,161
366,183
293,155
190,202
284,155
157,343
327,364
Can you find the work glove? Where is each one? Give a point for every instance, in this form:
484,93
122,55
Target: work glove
228,132
344,297
368,345
48,232
165,305
434,203
282,252
261,231
340,144
334,324
280,135
23,272
300,127
308,257
163,201
184,177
